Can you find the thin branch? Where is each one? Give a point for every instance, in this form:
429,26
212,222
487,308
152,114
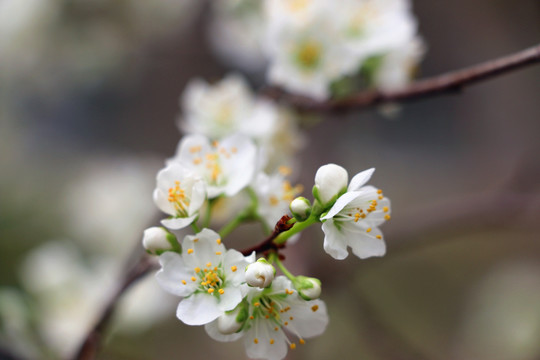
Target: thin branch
446,83
92,341
268,243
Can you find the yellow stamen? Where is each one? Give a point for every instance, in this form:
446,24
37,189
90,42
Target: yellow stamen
293,346
234,268
385,209
190,251
218,241
271,341
210,291
193,278
256,341
218,252
209,264
368,230
315,308
378,237
197,269
221,291
379,191
184,282
387,217
257,304
302,341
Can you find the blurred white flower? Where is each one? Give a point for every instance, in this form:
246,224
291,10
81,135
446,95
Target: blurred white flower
225,108
226,166
274,195
103,202
397,67
236,33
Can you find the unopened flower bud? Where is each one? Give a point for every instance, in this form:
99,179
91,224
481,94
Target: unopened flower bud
300,208
260,273
330,181
157,240
232,321
308,288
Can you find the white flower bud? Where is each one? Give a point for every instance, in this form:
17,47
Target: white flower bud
260,274
308,288
156,240
330,180
300,208
231,322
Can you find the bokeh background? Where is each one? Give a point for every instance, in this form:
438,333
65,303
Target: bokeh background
88,108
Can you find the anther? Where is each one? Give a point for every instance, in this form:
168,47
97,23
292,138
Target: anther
193,278
197,269
378,237
387,217
302,341
234,268
315,308
256,341
184,282
210,291
190,251
221,291
293,346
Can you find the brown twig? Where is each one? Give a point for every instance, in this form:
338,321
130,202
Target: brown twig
268,243
446,83
89,348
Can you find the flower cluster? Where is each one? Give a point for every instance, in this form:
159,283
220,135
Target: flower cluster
320,48
238,153
226,290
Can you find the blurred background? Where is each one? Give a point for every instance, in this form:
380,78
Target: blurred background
88,109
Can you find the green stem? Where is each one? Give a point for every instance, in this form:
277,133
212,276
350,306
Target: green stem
298,226
234,223
208,215
284,270
195,227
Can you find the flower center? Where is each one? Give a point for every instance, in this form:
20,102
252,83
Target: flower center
212,162
177,196
211,279
288,194
309,55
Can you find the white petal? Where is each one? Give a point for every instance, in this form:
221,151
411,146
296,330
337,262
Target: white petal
310,318
214,333
178,223
173,271
360,179
162,202
205,249
341,202
230,298
240,167
365,245
235,258
198,309
198,195
335,243
263,331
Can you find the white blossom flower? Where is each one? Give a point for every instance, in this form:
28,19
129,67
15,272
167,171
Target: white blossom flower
354,219
179,193
208,277
276,314
260,273
226,166
308,59
274,195
398,66
373,27
225,108
236,33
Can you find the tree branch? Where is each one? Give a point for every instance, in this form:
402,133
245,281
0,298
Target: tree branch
91,343
268,243
446,83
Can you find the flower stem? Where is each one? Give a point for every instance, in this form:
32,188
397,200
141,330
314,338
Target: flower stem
248,214
284,269
298,226
195,227
208,214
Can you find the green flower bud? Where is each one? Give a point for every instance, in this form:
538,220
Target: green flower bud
308,288
157,240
